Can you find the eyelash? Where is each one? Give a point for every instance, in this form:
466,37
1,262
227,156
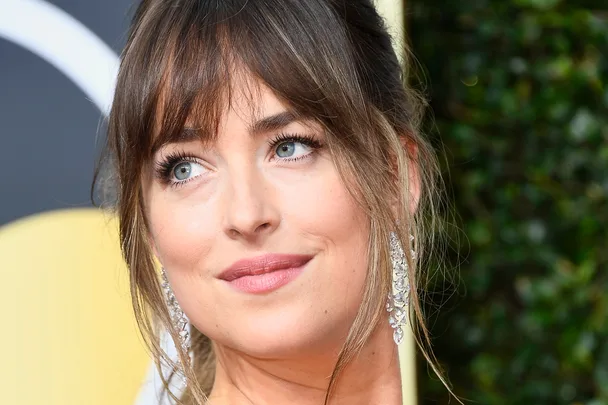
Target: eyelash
307,140
164,169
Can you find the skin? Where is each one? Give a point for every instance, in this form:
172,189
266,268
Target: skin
243,200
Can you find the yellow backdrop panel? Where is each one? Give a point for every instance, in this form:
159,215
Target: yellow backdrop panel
68,334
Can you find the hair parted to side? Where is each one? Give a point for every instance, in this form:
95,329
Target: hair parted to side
328,59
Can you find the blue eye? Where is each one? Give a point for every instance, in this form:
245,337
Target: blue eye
187,170
178,168
286,149
182,171
292,149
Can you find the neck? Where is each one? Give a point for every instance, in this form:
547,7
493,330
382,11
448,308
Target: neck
372,377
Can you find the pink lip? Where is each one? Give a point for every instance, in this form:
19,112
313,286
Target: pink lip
264,273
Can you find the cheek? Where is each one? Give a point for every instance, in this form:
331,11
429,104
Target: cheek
182,233
319,202
324,207
324,211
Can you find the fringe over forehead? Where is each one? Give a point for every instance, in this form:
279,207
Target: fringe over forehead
304,51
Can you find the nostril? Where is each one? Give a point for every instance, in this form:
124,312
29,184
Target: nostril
263,227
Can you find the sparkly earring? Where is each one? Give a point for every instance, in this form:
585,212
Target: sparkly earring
178,318
399,298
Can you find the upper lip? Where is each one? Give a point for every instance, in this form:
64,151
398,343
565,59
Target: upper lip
263,264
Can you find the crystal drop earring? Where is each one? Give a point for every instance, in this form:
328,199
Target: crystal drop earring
178,319
399,297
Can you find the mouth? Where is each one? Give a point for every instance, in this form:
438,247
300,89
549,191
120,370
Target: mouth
265,273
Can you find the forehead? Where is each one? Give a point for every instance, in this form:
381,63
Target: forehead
204,65
185,101
248,104
248,100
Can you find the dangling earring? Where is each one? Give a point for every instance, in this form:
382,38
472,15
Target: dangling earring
399,298
178,318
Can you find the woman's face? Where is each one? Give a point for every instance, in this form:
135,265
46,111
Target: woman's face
263,245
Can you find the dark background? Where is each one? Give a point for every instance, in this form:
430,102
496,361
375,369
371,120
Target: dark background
48,127
519,96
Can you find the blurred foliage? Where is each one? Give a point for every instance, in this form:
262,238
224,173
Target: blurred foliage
519,93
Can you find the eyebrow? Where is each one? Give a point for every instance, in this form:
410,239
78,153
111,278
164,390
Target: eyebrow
270,123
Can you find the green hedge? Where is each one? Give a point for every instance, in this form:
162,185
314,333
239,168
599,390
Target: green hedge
519,93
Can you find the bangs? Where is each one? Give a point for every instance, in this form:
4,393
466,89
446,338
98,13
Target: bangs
209,50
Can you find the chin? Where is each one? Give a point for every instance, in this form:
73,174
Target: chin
288,334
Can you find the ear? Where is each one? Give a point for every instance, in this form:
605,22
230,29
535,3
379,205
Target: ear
413,170
146,182
152,245
156,257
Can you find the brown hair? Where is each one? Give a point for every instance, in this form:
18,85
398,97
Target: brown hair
328,59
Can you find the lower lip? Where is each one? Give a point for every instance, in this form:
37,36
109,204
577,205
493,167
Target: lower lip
267,282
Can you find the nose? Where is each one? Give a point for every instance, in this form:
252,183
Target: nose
250,212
